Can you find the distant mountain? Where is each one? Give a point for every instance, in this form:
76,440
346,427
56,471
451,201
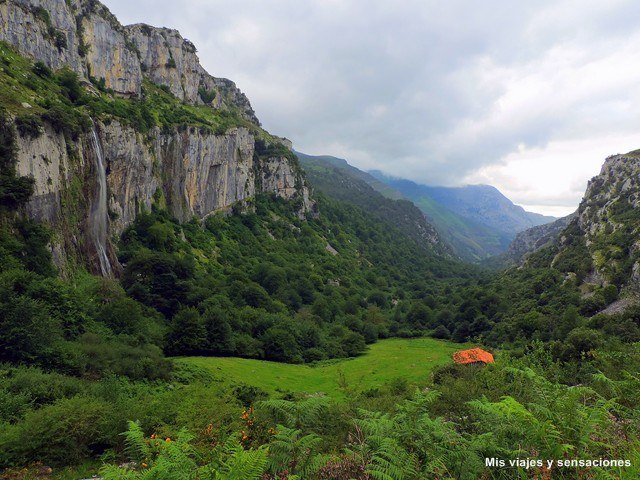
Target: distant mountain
343,165
477,220
485,204
337,179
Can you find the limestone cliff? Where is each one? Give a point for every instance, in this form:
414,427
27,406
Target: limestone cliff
170,60
600,243
535,238
609,219
193,165
85,36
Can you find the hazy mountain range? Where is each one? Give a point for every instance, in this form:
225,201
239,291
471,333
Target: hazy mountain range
477,221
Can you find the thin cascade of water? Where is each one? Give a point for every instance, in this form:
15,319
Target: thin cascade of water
99,208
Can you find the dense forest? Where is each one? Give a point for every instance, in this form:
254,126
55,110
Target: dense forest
89,383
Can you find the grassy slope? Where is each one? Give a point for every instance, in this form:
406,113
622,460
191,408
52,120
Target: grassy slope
386,360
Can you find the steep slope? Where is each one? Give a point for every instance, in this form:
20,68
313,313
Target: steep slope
471,240
485,204
598,252
337,179
607,225
342,165
535,238
129,110
477,220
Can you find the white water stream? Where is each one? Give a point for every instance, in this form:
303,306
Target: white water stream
98,216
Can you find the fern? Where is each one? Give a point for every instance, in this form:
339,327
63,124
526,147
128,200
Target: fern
136,447
376,448
290,450
303,414
239,464
177,460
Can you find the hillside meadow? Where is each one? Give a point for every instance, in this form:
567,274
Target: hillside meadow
385,361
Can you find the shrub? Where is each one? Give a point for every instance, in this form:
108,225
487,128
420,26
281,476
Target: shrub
39,387
68,80
29,126
207,96
60,434
40,69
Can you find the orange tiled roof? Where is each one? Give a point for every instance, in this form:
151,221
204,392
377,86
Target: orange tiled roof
473,355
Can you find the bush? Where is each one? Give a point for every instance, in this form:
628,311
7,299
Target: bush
66,120
39,387
29,126
41,70
99,356
441,332
207,96
70,84
60,434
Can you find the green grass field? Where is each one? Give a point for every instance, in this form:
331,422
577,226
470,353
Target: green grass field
411,359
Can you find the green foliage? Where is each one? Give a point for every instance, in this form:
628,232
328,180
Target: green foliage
14,190
375,447
81,356
62,433
70,84
169,459
207,96
294,453
29,126
48,322
240,285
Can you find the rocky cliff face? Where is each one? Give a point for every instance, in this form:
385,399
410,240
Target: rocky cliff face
192,171
600,243
170,60
536,238
42,29
84,36
609,219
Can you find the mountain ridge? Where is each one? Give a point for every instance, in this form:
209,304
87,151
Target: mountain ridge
170,133
478,221
337,179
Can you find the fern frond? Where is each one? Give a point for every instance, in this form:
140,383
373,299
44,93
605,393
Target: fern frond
136,447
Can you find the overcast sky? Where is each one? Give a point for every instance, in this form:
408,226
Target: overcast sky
527,96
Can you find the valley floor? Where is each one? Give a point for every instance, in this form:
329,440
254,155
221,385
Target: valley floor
386,360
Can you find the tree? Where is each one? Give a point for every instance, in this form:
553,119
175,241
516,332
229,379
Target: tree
280,345
218,331
187,334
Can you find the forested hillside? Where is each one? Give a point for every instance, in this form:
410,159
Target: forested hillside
337,179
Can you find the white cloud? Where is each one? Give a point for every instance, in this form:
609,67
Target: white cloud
438,92
552,179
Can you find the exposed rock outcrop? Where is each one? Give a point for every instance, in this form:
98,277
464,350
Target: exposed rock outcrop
192,171
44,30
110,55
196,173
85,36
169,59
536,238
600,243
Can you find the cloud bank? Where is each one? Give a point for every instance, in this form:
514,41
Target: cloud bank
527,96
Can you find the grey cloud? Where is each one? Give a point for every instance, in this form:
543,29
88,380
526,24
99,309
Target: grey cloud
413,87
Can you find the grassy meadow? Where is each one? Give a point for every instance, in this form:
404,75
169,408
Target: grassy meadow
386,360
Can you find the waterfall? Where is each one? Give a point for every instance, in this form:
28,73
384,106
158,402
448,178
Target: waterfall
98,218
